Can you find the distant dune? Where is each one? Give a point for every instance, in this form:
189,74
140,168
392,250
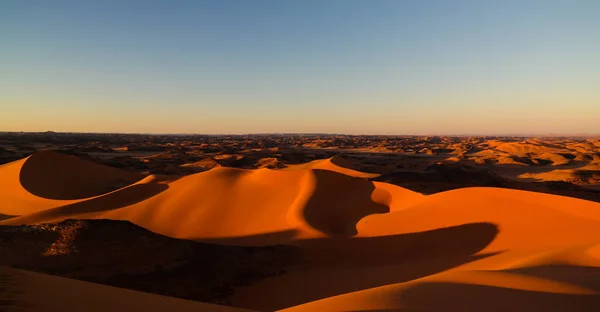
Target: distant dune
533,152
367,246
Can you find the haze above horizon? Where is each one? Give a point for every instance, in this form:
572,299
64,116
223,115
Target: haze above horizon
337,66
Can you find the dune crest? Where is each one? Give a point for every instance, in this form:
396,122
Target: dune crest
49,179
367,245
335,164
16,199
54,175
227,203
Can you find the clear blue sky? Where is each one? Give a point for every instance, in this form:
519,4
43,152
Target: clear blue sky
342,66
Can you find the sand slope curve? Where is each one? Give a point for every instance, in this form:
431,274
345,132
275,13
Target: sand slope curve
29,291
367,245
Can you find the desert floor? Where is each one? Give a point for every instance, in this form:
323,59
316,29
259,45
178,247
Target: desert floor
298,223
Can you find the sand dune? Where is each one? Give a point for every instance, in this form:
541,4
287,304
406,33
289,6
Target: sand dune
524,148
463,230
270,162
367,245
584,147
515,212
556,158
533,152
57,176
589,174
48,179
227,202
29,291
16,199
335,164
4,217
530,289
230,203
204,164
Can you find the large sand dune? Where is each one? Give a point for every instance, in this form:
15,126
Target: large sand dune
232,203
535,152
367,245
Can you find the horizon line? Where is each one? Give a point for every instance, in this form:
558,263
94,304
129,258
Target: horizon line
313,133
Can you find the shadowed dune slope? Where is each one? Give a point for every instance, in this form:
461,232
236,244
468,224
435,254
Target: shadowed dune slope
16,200
343,265
4,217
464,230
57,176
228,203
48,179
29,291
370,246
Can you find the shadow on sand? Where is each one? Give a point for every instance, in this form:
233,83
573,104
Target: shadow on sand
335,266
5,217
339,202
469,297
53,175
443,296
119,199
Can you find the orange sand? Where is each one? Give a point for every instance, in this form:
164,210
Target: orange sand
368,245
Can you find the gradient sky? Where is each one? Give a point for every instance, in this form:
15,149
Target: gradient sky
338,66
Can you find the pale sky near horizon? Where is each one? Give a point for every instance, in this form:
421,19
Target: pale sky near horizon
337,66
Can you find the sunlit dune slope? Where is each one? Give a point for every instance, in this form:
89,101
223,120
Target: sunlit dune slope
275,205
335,164
584,146
369,245
536,152
29,291
540,279
524,148
525,219
471,229
233,203
531,289
589,174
